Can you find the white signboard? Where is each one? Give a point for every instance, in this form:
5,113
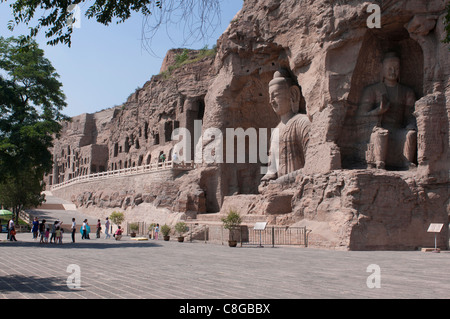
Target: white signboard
260,226
435,228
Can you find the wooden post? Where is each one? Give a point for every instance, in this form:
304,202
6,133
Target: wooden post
273,236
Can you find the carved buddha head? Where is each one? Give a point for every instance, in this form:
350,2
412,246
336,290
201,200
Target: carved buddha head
391,68
284,95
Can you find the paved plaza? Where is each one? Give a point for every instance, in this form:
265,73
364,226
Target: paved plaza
129,269
159,269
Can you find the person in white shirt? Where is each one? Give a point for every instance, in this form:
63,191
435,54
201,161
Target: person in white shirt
11,224
11,230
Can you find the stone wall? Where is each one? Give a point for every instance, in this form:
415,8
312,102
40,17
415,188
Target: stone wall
333,55
122,192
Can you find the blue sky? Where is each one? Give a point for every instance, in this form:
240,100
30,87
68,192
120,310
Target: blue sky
105,65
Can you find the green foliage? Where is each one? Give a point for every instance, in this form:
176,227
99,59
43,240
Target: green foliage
232,220
151,227
165,230
181,228
55,17
20,191
165,75
187,57
134,227
447,25
183,56
117,217
31,100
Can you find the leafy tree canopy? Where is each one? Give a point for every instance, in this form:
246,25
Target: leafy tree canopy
31,101
57,18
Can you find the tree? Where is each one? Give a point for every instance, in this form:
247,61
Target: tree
31,100
19,191
447,24
117,217
57,17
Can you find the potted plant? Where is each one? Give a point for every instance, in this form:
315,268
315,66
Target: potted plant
133,227
181,228
232,222
165,230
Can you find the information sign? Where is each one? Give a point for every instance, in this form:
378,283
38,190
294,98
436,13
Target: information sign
435,228
260,226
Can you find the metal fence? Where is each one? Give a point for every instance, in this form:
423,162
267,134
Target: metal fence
142,228
244,235
276,235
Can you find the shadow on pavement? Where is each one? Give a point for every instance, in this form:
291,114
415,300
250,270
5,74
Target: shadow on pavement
32,284
81,244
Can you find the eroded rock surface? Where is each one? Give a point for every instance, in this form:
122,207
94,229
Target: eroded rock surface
332,55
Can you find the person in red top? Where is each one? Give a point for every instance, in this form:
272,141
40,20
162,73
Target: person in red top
118,233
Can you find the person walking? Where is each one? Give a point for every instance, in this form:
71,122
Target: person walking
84,229
47,234
107,224
58,234
42,231
12,230
53,232
35,228
10,227
99,228
74,229
156,231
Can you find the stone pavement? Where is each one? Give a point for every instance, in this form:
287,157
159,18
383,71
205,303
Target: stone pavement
171,270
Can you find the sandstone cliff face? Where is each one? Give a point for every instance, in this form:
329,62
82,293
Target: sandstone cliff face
331,52
135,134
333,55
82,147
142,129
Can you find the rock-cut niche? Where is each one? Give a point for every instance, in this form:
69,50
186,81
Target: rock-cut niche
359,140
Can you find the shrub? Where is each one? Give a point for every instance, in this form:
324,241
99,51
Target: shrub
165,230
134,227
117,217
232,222
180,58
181,228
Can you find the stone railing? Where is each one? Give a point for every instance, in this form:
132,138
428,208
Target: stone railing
155,167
